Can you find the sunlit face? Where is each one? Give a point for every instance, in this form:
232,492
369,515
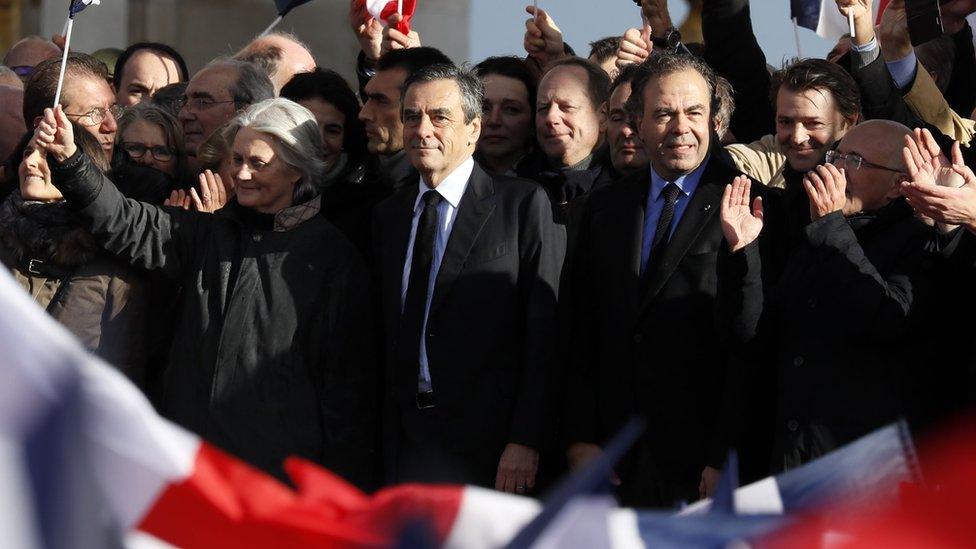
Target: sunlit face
263,181
211,89
567,122
332,124
507,120
807,125
84,94
626,149
34,175
381,112
676,124
877,181
145,143
143,73
438,138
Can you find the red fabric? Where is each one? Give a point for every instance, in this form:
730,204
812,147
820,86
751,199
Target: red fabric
227,503
882,4
409,7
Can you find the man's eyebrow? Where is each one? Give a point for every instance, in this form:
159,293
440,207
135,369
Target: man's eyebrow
440,110
695,107
201,94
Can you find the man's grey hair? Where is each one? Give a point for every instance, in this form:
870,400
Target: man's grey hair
725,98
664,64
252,86
7,71
296,137
471,87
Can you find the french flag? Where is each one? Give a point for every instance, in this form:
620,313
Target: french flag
384,9
822,17
77,6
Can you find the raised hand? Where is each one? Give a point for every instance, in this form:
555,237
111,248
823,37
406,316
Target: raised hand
863,19
936,189
213,194
543,39
826,186
741,224
893,32
54,135
657,17
368,30
179,199
393,39
954,13
635,46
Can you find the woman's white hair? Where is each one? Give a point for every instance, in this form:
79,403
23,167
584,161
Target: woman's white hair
296,138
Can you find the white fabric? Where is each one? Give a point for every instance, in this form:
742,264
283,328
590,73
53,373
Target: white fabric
489,519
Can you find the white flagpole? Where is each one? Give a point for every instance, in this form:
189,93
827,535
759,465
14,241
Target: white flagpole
850,22
64,29
272,25
796,35
64,61
400,8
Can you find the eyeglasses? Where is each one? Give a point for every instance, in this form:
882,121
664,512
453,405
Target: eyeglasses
23,71
138,150
97,115
855,161
198,103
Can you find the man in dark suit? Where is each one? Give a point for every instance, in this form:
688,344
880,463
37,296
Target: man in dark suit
642,289
468,269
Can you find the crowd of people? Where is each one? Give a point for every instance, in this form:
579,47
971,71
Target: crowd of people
479,275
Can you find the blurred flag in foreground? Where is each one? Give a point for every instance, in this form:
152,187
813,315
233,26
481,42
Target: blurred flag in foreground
383,9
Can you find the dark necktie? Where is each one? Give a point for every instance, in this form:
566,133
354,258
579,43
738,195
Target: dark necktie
412,319
663,231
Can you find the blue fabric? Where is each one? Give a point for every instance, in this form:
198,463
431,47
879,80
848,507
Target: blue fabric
806,13
655,204
285,6
903,70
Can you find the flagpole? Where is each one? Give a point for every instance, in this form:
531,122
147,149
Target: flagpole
64,29
64,60
272,25
400,8
796,35
850,22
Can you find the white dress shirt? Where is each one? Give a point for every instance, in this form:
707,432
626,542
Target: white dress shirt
451,190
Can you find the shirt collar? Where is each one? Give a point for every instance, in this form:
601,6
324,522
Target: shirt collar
453,186
686,183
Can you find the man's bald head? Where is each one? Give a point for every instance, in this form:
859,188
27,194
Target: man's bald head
30,52
9,78
281,54
875,183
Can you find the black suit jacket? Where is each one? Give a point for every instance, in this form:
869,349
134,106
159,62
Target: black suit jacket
651,350
491,327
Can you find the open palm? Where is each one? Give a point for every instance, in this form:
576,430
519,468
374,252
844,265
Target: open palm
741,221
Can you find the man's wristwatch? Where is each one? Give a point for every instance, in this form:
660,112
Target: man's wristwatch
670,42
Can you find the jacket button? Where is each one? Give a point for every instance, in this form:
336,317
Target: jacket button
256,238
430,334
812,302
798,361
638,338
792,425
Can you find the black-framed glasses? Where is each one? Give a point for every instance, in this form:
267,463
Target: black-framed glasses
854,161
138,150
96,116
199,103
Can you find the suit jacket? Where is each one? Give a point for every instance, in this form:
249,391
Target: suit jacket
650,350
491,326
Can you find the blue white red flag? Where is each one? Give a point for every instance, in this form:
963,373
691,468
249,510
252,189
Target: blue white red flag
384,9
78,5
822,17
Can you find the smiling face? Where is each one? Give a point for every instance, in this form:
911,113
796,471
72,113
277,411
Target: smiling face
263,181
507,121
567,122
332,125
676,124
81,95
381,112
626,149
434,129
34,176
807,125
145,72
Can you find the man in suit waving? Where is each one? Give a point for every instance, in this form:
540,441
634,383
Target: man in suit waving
642,293
468,268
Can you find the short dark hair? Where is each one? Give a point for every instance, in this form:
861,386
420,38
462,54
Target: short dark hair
597,83
604,48
472,90
160,49
513,67
252,86
412,60
663,64
43,83
819,74
332,88
625,76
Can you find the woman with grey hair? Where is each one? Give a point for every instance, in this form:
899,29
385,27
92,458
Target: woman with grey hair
152,137
274,354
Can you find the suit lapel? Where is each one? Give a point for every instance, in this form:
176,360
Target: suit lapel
396,251
630,212
476,206
703,206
